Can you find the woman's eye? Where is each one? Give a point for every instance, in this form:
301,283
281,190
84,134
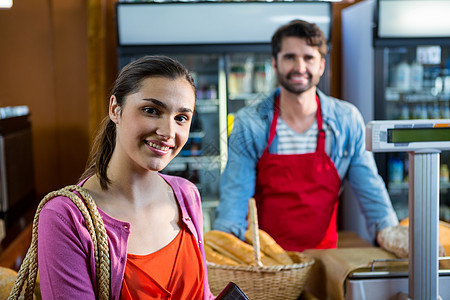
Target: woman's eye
150,110
182,118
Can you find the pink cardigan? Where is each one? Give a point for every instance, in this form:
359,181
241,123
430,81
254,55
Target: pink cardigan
66,253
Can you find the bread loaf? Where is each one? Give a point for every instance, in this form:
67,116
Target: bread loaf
232,247
217,258
269,247
444,234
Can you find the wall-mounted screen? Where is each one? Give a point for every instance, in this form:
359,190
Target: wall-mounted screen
413,18
212,22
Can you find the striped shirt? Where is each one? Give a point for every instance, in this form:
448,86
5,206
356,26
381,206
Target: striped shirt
291,142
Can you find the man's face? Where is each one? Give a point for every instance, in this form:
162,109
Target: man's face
298,66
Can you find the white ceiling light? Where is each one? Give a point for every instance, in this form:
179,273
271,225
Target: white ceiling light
6,3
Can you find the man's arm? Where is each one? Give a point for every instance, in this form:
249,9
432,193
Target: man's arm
367,183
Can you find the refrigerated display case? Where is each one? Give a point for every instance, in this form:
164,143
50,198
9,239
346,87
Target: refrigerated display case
396,65
226,46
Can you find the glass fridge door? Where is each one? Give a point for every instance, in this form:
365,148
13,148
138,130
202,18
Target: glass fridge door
415,85
250,79
199,160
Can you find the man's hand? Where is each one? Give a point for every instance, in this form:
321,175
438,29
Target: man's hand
395,239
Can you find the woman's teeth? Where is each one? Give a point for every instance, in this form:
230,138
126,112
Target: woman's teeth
163,148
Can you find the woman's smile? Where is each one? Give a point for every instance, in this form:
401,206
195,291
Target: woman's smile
158,148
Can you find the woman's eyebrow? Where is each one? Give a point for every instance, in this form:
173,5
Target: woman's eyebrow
185,110
163,105
156,102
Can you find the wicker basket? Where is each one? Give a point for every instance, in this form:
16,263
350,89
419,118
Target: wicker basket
262,282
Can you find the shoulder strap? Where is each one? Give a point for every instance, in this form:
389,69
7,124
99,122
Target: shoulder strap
96,228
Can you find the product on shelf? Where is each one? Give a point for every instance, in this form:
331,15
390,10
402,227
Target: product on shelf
403,77
416,76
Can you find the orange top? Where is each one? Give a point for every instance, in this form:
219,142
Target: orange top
173,272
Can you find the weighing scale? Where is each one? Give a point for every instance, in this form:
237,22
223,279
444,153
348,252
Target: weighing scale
423,140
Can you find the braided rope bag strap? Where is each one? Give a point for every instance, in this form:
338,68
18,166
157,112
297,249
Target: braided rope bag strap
94,223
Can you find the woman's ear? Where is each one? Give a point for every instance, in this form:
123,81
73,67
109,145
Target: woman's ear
114,109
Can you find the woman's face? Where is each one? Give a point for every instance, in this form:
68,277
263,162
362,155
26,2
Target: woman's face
153,124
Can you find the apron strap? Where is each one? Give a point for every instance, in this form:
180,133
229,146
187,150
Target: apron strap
273,125
321,133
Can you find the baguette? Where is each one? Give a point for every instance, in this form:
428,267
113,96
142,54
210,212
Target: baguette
217,258
225,252
269,247
232,247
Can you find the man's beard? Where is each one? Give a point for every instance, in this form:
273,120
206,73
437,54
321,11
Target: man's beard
295,88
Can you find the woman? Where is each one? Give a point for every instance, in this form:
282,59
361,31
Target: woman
153,221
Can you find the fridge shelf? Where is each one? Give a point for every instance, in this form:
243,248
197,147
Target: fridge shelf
207,102
205,106
181,163
392,95
247,96
196,134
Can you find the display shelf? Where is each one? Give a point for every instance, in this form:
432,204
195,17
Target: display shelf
247,96
205,106
196,134
180,163
393,95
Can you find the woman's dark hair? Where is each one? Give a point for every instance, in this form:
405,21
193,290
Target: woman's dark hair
128,82
301,29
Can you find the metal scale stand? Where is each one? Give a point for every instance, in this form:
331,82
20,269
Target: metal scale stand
423,140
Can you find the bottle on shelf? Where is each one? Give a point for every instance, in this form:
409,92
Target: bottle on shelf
259,79
416,77
395,167
446,89
433,110
200,92
403,77
423,111
438,86
404,112
444,173
236,79
247,85
211,92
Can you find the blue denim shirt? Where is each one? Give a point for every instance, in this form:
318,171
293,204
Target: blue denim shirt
248,140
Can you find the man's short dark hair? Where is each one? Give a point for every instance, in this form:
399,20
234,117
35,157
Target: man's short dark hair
301,29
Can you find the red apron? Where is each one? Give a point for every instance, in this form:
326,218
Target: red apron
297,194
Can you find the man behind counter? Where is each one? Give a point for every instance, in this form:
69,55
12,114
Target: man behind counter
293,150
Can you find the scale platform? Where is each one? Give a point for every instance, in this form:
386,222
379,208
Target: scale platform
387,280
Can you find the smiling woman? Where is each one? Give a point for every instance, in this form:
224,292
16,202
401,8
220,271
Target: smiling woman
153,124
153,221
152,85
